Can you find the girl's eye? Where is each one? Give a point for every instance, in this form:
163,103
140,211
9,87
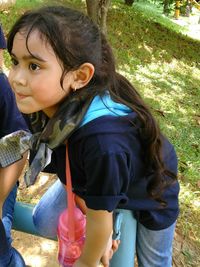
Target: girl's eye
14,61
34,66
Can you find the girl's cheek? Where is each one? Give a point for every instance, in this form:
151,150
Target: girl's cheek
10,74
10,77
11,80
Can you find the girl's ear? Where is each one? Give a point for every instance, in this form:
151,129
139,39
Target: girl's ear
82,76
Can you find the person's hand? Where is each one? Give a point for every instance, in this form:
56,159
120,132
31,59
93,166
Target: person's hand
112,247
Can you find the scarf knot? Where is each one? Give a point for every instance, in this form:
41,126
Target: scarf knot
47,135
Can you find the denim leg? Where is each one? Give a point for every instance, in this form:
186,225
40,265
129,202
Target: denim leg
4,244
154,248
46,212
7,213
5,251
124,256
11,257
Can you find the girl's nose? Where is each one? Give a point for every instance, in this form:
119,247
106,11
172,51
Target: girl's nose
18,77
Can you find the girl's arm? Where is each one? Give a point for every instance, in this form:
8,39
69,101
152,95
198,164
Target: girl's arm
98,231
8,177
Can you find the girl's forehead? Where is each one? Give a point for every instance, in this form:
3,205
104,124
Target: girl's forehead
29,34
31,43
31,38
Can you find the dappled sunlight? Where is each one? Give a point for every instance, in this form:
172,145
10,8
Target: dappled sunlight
36,261
145,47
172,89
148,48
36,251
189,196
166,71
43,179
118,32
155,72
171,127
48,246
164,82
196,203
33,193
190,208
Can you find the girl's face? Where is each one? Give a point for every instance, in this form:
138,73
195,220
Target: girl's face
35,77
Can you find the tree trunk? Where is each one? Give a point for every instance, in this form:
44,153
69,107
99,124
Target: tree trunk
129,2
104,6
97,10
92,10
166,7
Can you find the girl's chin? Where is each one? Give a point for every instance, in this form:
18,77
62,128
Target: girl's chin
25,110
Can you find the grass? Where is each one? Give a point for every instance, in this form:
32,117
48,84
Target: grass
169,22
163,62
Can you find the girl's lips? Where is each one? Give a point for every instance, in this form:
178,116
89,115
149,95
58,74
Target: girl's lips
20,96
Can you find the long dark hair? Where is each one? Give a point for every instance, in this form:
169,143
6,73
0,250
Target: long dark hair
75,40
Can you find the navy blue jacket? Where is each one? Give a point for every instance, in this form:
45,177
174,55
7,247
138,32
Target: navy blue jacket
11,119
108,172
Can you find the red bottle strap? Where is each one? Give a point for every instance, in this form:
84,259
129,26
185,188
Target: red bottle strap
70,199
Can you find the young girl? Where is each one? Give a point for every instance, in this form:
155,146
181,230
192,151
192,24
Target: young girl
63,75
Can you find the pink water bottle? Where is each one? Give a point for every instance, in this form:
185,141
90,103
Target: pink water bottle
70,243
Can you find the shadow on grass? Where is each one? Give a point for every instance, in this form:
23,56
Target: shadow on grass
145,40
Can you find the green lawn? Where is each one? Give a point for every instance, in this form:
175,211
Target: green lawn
164,64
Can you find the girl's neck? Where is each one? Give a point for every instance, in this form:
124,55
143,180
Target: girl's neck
50,111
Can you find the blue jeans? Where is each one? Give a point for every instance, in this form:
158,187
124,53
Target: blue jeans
10,256
153,248
46,213
7,213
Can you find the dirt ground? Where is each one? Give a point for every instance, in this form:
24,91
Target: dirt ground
36,251
41,252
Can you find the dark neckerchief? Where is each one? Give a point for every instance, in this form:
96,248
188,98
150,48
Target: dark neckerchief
46,135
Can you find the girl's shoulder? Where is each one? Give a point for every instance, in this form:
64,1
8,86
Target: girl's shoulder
107,135
11,119
108,125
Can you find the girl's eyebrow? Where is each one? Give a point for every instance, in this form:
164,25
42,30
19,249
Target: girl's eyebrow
29,57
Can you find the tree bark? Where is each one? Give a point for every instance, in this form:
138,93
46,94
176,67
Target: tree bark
166,7
129,2
104,6
97,10
92,10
